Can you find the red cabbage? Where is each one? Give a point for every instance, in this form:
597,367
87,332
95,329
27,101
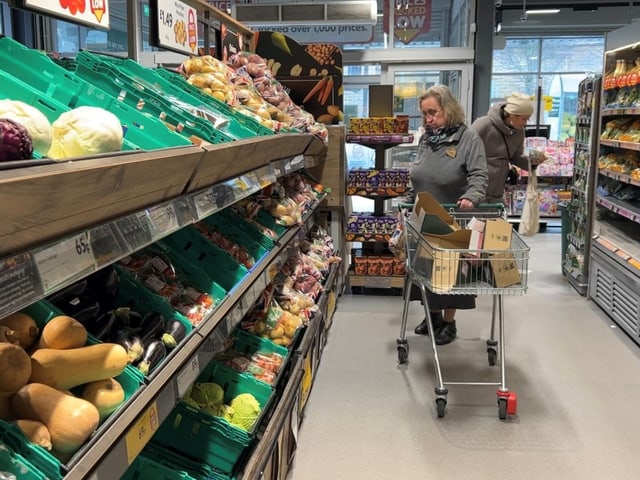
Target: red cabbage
15,141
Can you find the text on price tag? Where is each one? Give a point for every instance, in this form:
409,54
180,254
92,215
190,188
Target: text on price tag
163,220
205,203
64,260
187,375
141,432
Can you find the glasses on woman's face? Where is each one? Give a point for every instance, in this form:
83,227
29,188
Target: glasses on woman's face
431,113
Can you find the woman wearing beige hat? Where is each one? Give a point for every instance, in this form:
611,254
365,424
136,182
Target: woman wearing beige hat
502,132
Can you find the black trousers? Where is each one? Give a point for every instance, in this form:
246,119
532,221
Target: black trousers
438,301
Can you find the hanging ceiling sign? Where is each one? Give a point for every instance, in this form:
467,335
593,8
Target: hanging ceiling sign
175,26
322,33
94,13
411,18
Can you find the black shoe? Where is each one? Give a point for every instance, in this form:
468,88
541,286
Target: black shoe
423,328
447,333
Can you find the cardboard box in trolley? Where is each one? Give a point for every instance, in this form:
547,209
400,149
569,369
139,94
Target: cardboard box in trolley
503,270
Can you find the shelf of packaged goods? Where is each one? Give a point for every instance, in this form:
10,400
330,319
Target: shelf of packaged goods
387,140
578,190
575,240
367,237
619,144
622,256
582,145
375,281
378,192
583,119
621,207
580,169
609,111
109,455
621,177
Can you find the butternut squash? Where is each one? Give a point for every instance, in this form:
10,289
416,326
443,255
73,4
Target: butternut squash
70,420
35,432
15,367
5,406
106,395
63,332
65,369
24,327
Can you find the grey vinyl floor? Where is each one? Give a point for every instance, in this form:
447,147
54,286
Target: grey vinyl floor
576,375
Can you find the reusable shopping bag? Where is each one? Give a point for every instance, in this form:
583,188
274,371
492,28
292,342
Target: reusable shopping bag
530,218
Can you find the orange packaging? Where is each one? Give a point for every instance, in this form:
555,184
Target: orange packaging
373,265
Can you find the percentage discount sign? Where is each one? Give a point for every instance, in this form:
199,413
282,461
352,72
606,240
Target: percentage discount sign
64,260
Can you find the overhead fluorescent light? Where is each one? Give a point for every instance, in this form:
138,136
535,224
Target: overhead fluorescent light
543,11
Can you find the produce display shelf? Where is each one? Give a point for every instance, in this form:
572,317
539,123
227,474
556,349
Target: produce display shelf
119,445
631,261
621,207
621,177
611,110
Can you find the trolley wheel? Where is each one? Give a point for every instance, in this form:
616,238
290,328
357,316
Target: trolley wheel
403,353
502,408
492,356
441,405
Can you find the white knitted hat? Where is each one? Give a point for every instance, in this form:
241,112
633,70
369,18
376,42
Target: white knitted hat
519,104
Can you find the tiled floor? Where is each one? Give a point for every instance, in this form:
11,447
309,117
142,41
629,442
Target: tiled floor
577,378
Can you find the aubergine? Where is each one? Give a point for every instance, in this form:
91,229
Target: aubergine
154,353
69,292
131,343
104,284
83,308
130,318
101,326
174,332
152,327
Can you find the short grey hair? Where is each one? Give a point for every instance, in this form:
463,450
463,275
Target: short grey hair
451,108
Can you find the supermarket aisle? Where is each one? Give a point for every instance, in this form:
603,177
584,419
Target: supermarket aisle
577,380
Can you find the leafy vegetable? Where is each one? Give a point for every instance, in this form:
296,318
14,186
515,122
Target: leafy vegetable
15,141
30,118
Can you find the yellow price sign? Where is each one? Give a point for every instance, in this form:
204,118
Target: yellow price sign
141,432
548,103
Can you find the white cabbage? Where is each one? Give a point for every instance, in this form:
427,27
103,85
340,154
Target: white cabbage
30,118
85,131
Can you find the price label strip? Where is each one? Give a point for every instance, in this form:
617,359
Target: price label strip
266,176
164,220
64,260
141,432
105,245
205,203
187,375
135,230
19,282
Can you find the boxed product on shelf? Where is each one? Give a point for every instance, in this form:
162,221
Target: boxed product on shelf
379,125
210,439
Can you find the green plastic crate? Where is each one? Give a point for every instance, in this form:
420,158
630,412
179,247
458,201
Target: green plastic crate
250,344
217,264
235,232
158,463
13,462
150,78
249,123
268,221
44,77
208,439
145,98
247,228
29,454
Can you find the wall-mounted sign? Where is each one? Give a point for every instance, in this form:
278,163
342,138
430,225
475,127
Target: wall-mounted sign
224,5
411,18
175,26
94,13
323,33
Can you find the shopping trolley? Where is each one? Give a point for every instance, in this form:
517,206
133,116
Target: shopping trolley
459,271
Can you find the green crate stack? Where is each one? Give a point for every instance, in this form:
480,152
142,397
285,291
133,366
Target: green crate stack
158,463
235,232
248,228
44,77
221,267
248,122
250,344
150,78
145,98
213,440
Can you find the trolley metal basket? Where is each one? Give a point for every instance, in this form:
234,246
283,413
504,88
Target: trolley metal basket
434,264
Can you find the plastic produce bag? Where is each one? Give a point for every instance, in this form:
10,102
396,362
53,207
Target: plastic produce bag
530,219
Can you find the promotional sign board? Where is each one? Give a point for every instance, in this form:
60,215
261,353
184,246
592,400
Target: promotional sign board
174,26
411,18
94,13
322,33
